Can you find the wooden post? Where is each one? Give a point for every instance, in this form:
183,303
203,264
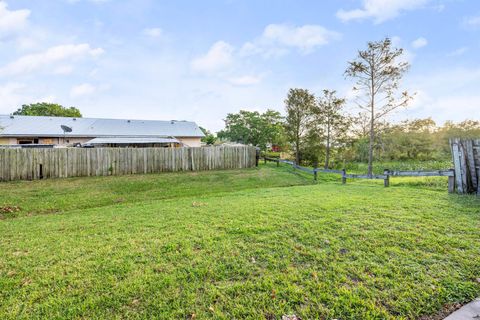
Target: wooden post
278,162
386,181
344,176
315,174
456,161
451,182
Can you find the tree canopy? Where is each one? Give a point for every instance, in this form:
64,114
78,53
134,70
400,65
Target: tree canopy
48,109
209,138
299,105
331,124
253,128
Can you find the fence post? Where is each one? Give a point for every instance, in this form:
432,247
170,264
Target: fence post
278,162
451,182
344,176
386,181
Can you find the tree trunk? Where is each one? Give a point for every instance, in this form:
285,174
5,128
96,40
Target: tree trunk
370,148
297,151
372,129
327,151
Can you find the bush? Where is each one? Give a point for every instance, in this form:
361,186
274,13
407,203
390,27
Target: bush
271,154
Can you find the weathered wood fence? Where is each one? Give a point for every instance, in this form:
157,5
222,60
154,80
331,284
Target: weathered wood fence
450,173
466,158
32,164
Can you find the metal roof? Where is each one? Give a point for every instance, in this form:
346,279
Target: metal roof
17,126
130,140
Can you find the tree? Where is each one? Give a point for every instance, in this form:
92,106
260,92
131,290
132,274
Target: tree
253,128
378,71
334,124
48,109
209,138
299,105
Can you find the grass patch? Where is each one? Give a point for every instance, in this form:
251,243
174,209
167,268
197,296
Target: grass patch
256,243
22,198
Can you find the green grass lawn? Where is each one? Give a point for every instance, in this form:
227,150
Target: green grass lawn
254,243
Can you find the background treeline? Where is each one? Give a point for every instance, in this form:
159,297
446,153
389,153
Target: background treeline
417,139
316,130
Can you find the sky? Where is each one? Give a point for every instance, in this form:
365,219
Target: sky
199,60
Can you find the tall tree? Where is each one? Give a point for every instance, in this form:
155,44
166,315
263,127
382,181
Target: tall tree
299,105
253,127
334,123
48,109
378,71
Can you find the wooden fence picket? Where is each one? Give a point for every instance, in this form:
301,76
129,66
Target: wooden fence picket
32,164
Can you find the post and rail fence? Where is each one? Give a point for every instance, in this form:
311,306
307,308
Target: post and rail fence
450,173
464,178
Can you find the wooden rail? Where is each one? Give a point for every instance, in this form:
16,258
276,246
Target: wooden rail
385,176
436,173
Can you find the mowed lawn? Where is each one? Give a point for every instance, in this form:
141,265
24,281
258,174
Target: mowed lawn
256,243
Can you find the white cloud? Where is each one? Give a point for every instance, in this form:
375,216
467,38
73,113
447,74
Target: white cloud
11,96
457,52
32,62
246,80
63,70
82,90
380,10
218,57
419,43
277,39
12,21
153,32
448,94
472,22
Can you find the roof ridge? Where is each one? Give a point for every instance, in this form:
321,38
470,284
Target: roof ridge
89,118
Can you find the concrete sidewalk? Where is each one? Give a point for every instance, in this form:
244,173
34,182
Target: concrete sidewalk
469,311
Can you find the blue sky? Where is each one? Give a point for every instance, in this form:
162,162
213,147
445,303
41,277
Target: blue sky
199,60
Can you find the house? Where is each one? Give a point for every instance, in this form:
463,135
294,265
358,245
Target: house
62,131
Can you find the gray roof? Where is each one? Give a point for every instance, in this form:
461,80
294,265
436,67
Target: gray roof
17,126
130,140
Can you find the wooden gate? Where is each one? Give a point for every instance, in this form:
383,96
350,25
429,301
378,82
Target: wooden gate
466,158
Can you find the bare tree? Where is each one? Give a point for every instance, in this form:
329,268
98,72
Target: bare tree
334,123
298,105
378,71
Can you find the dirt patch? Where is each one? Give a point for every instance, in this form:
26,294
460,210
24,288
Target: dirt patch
9,209
442,314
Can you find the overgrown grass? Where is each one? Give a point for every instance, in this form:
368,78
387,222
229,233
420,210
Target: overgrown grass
240,244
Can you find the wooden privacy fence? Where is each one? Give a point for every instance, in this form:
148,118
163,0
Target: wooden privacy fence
32,164
466,159
385,176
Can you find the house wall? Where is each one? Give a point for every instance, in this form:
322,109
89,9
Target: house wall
7,141
190,142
